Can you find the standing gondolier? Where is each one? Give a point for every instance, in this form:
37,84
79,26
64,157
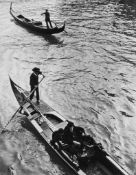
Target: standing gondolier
34,81
47,18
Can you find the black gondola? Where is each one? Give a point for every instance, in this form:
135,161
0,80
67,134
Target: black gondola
46,121
35,26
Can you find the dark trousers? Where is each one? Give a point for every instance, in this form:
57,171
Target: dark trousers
37,93
48,21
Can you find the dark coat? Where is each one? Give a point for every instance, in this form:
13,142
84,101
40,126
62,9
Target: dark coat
57,135
79,133
47,16
33,79
68,136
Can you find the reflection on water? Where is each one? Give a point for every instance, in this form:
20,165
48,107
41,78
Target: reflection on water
89,78
53,40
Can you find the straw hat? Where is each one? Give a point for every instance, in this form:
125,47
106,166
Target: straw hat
36,70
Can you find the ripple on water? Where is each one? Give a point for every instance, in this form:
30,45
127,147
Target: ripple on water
90,66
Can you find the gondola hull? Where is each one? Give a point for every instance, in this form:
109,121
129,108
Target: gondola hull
46,121
35,26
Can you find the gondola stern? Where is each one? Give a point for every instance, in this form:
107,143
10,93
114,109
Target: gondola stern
13,85
11,82
11,7
16,90
64,24
11,10
63,27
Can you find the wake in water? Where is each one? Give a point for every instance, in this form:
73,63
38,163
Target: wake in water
9,153
11,146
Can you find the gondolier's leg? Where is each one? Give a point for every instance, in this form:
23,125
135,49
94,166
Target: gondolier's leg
50,24
47,24
32,92
37,95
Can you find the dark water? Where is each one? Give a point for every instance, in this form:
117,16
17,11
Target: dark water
90,79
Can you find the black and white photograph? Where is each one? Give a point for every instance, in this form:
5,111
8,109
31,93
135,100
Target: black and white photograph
68,87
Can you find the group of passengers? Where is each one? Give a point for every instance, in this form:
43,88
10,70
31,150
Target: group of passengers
72,137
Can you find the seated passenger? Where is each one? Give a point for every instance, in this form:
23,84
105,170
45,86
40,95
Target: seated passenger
88,140
73,146
87,149
79,133
68,133
57,136
82,137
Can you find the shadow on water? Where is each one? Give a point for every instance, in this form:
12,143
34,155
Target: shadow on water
53,156
51,39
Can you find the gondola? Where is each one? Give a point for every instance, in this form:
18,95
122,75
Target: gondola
35,26
47,121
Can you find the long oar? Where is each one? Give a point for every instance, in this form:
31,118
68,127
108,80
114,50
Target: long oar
94,110
21,106
3,130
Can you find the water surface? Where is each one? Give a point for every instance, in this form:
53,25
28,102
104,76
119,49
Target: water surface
90,79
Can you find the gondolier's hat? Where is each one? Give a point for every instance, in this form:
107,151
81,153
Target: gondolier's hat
37,70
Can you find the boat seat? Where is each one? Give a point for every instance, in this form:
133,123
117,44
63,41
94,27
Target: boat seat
20,16
34,116
33,112
37,23
27,20
27,105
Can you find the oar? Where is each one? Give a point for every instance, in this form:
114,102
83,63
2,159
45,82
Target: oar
65,31
3,130
95,110
20,108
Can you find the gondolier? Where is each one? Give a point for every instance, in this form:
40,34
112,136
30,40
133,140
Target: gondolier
34,25
34,80
47,18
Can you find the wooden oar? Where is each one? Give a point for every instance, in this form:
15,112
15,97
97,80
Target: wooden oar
20,108
94,110
3,130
